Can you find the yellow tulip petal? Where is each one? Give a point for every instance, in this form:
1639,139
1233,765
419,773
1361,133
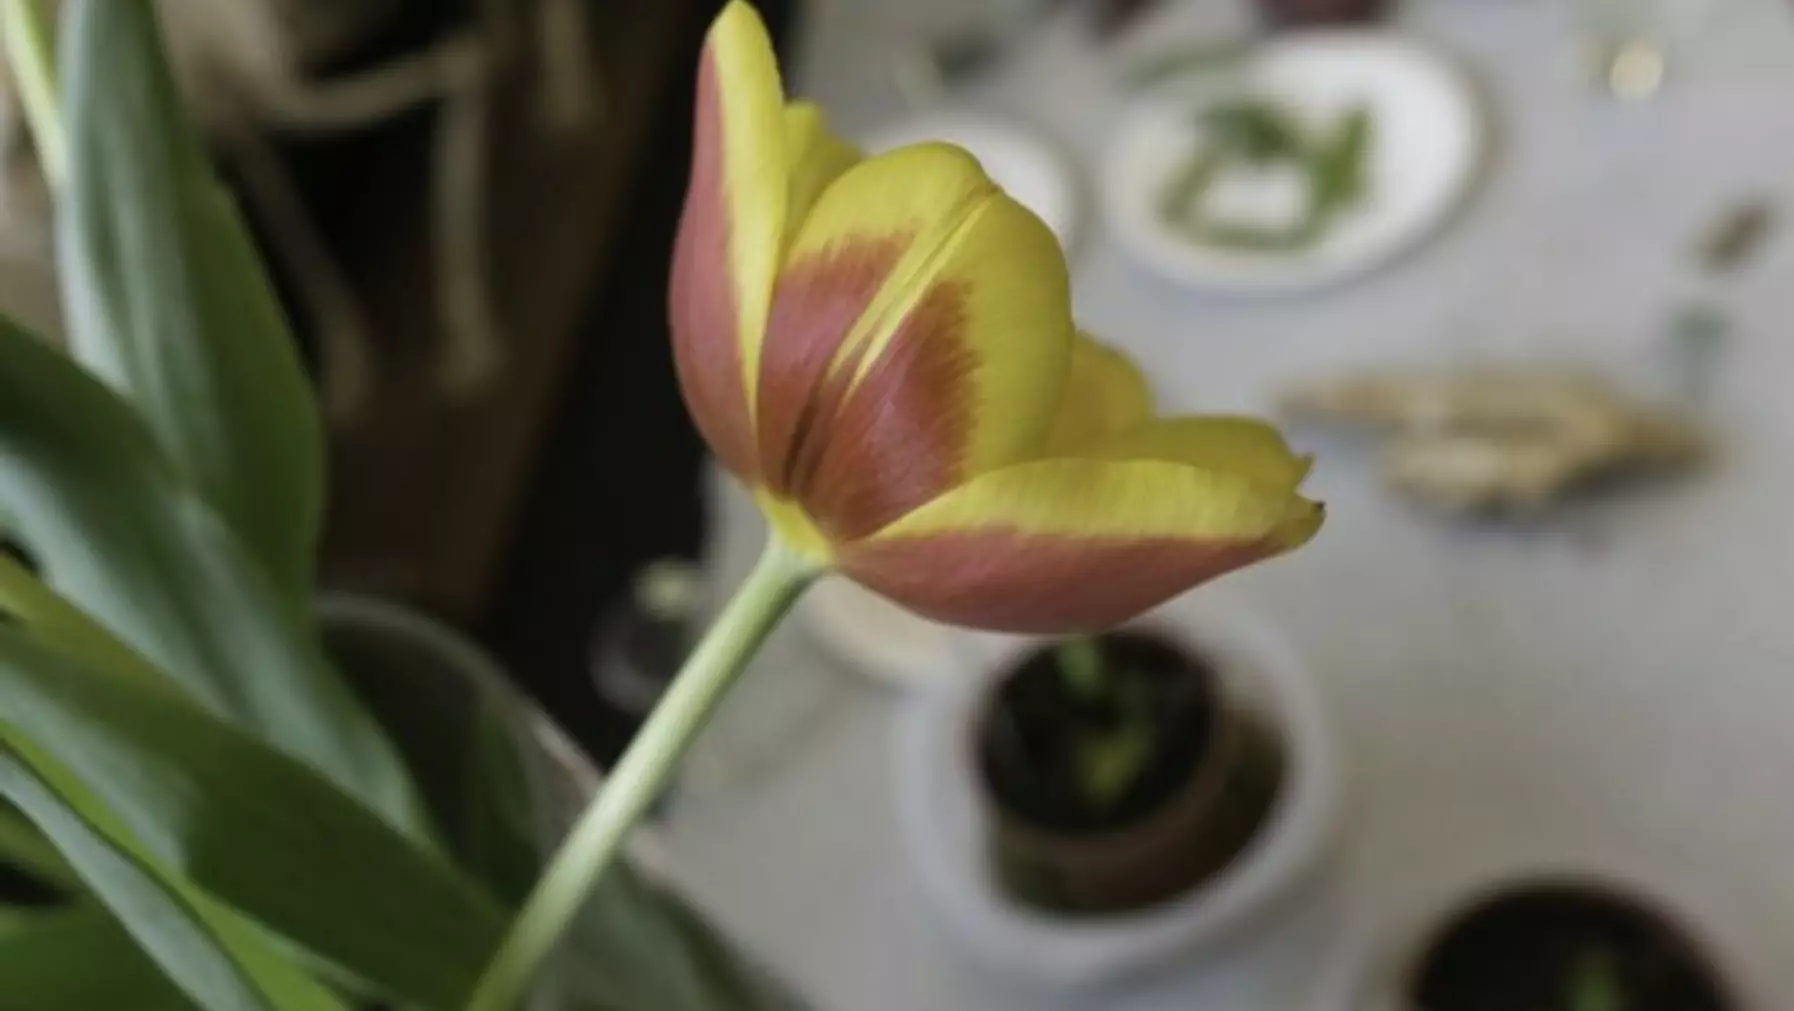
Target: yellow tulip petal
726,258
1225,444
921,334
1104,393
814,157
1076,544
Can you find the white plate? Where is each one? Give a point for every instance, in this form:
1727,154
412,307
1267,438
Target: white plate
1025,166
1426,141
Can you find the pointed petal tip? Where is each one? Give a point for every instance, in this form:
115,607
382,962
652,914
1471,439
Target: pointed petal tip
736,16
740,42
1300,526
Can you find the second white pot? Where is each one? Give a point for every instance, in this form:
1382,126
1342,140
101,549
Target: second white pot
1378,954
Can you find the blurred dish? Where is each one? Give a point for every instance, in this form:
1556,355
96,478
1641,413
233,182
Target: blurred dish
1419,131
1023,164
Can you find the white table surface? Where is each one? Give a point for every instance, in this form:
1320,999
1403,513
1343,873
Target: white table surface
1618,685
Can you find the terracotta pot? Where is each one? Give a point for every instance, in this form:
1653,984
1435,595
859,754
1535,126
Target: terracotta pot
1225,798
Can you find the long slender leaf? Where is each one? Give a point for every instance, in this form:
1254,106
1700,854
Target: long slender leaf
120,535
254,828
167,300
25,599
23,848
218,959
80,960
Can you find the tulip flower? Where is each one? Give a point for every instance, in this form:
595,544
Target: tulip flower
883,350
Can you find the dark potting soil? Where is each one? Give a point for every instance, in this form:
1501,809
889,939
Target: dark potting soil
1025,745
1565,947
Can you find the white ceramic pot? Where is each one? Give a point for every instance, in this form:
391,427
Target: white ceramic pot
1378,956
943,815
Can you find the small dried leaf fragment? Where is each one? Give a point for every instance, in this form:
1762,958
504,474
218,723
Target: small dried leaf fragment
1503,440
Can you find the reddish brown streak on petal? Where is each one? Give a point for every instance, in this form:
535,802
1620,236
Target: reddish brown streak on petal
902,436
818,300
1010,582
702,300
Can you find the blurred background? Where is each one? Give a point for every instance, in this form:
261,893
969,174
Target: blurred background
1514,270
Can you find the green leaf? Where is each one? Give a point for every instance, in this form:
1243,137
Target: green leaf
54,963
1080,659
25,599
15,919
167,299
218,959
498,833
126,540
255,829
24,849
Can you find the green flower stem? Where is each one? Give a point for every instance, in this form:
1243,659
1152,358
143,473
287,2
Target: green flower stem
641,774
30,52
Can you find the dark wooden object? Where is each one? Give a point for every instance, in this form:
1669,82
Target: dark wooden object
620,480
426,487
522,513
